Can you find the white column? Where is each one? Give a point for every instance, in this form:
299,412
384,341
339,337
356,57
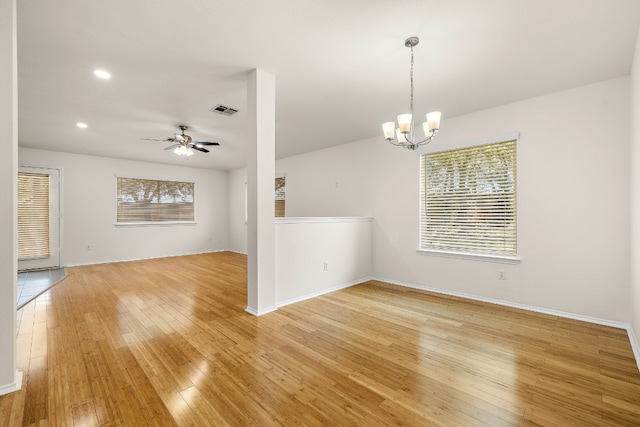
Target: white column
261,111
10,377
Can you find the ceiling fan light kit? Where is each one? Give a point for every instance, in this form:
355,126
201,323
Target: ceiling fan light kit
403,135
182,150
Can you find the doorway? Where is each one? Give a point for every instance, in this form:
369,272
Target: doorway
38,218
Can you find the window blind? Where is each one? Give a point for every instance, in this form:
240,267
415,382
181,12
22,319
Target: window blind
33,216
468,200
148,200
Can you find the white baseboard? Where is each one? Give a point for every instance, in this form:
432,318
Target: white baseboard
542,310
235,252
605,322
145,258
280,304
13,386
322,292
634,345
260,312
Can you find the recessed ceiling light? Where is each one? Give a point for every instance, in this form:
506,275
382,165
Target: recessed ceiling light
82,125
102,74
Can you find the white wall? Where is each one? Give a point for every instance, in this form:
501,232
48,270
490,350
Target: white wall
333,182
89,209
237,210
319,255
573,207
634,195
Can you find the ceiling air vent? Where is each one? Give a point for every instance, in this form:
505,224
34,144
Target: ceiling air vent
224,110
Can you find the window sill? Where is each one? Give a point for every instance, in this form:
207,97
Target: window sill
502,259
155,223
315,219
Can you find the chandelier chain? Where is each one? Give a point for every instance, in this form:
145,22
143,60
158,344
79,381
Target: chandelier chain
411,77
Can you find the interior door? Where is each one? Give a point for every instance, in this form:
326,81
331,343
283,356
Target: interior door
38,218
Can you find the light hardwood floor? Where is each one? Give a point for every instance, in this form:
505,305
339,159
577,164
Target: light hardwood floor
167,342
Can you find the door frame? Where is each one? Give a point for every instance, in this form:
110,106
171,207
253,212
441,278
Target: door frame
55,219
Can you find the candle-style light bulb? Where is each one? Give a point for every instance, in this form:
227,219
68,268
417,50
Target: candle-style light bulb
389,129
433,119
404,123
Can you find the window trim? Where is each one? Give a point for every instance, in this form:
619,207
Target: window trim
486,257
153,223
435,148
503,259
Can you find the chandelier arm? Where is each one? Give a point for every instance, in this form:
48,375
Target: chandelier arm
410,142
426,140
396,143
410,145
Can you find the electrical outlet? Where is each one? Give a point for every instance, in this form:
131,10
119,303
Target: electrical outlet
502,275
88,247
326,267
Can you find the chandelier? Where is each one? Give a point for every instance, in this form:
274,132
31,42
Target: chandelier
404,135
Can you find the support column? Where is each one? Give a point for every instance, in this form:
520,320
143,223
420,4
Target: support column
261,109
10,377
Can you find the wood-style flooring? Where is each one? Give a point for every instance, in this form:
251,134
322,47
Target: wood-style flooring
167,342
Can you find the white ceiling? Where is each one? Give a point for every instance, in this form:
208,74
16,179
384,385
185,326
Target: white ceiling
341,67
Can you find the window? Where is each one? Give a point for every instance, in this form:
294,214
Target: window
33,215
281,189
468,200
150,201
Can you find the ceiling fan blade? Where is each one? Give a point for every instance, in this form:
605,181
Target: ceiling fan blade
195,147
206,143
172,146
161,140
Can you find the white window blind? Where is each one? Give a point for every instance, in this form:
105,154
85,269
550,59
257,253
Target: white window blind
33,216
149,200
468,200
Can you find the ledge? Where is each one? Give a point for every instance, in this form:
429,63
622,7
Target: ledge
314,219
502,259
154,223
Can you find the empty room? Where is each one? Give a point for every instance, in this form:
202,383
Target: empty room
319,213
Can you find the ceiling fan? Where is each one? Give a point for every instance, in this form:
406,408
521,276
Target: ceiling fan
182,144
